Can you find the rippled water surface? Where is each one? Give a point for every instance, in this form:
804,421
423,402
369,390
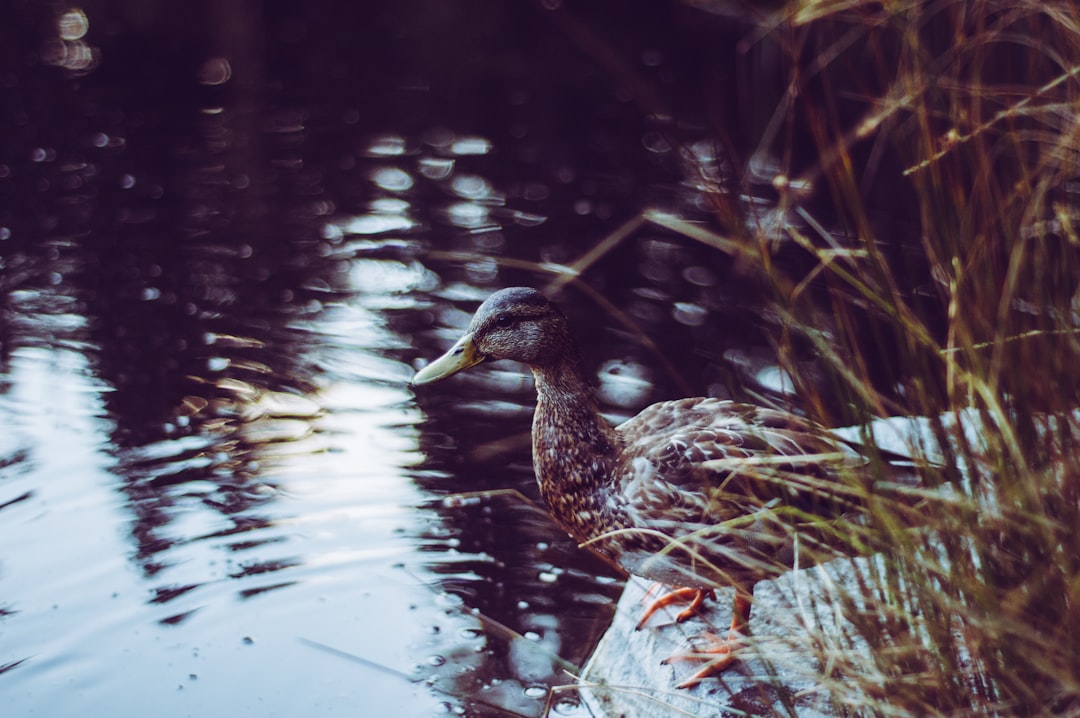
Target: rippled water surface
265,532
227,238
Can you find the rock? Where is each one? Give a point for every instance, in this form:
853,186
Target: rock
793,625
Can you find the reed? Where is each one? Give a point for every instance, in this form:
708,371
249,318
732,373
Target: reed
968,113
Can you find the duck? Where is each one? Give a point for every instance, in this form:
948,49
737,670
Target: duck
695,493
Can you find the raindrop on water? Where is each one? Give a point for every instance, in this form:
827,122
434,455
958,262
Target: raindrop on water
392,179
387,146
567,708
471,146
689,314
436,168
73,25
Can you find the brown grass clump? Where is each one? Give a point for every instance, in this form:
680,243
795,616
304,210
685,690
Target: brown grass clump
960,119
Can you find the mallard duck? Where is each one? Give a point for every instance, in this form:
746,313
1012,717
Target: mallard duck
695,493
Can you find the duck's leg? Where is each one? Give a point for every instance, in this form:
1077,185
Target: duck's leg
696,597
719,653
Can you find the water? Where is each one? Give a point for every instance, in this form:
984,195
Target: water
229,556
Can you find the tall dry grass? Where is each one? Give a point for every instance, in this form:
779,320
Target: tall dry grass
965,118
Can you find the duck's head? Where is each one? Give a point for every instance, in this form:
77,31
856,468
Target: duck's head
518,323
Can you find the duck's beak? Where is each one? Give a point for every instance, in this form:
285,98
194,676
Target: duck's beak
460,357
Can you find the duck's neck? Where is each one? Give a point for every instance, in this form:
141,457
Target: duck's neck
573,447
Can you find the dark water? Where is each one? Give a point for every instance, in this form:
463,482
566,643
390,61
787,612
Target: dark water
228,234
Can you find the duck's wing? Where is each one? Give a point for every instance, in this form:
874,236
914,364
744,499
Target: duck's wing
735,493
702,462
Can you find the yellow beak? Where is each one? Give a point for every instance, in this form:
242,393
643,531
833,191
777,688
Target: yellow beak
460,357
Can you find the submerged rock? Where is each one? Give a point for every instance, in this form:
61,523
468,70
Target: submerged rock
794,625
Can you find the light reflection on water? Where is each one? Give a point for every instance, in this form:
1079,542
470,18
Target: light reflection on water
268,547
209,603
228,496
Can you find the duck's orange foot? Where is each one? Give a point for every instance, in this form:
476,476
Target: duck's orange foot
695,596
717,653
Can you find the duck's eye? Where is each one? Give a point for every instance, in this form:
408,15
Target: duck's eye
504,320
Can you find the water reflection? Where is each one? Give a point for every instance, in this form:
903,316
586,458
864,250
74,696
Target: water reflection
251,429
198,385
